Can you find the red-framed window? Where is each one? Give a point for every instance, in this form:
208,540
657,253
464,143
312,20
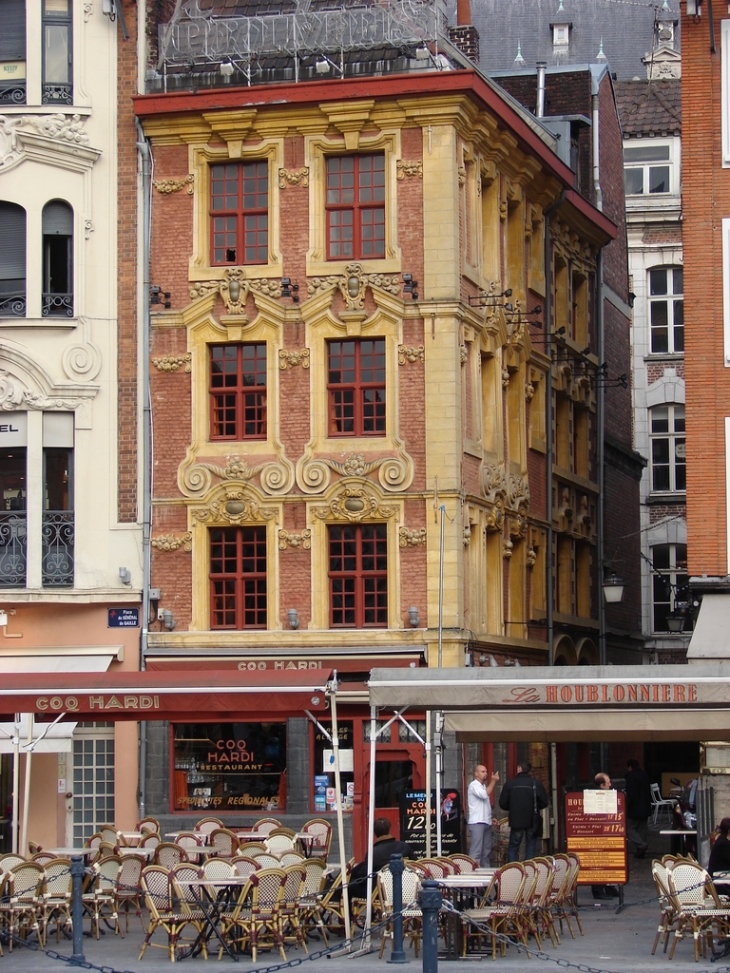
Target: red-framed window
238,391
358,576
355,206
356,387
238,577
239,213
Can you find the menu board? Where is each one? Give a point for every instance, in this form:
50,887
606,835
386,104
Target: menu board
413,821
596,833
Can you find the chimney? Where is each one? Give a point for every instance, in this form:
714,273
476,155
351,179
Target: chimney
465,36
540,107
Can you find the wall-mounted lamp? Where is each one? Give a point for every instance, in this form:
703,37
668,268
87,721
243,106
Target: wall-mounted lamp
322,65
413,617
613,589
410,286
289,290
694,9
157,294
422,53
227,68
167,618
493,662
3,618
293,616
126,575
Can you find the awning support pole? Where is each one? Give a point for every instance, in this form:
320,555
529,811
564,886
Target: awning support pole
26,789
16,781
439,775
371,822
428,783
340,821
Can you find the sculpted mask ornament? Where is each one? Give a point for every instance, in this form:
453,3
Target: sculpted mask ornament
234,291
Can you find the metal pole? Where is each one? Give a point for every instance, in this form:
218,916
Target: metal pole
338,796
77,909
26,789
439,776
397,954
430,899
16,781
441,586
428,783
371,822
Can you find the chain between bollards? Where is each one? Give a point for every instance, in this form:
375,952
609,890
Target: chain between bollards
77,908
430,898
396,870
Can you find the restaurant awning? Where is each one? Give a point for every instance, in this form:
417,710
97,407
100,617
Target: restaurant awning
323,658
180,696
567,703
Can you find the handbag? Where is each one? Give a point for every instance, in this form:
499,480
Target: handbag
536,815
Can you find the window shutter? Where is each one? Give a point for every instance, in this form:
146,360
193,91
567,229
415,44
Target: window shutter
12,34
12,242
58,219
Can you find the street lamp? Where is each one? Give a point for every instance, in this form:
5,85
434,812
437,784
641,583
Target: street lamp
613,589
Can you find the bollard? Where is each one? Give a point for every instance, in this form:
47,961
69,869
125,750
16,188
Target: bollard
430,900
396,870
77,909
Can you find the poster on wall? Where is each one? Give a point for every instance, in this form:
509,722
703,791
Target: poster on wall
413,821
595,829
321,782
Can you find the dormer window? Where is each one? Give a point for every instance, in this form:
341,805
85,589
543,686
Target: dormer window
561,34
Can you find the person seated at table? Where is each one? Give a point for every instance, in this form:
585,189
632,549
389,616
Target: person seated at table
384,846
720,855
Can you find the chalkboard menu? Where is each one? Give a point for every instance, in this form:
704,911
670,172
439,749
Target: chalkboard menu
595,829
413,821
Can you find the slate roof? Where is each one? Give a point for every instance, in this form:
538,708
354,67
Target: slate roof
650,108
625,26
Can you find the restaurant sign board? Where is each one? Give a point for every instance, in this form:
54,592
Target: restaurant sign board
595,830
413,821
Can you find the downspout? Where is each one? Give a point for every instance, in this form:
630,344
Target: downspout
540,106
596,148
600,460
144,345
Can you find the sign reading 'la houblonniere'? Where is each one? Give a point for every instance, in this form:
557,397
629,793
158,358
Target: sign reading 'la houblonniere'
619,692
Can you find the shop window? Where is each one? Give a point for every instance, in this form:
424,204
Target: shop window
356,387
238,577
324,766
355,206
668,466
670,583
13,517
358,576
238,391
239,213
58,518
666,309
12,259
224,767
58,298
57,53
12,52
647,169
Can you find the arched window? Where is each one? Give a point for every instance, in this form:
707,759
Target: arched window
58,221
12,260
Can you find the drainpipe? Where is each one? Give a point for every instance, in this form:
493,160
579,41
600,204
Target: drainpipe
596,149
601,451
540,108
144,314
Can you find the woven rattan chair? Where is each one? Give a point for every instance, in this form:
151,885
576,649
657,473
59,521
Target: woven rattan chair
278,842
129,889
21,908
411,882
291,926
219,868
266,825
223,843
259,925
165,913
100,896
321,829
148,824
245,866
57,896
208,824
501,917
192,843
168,854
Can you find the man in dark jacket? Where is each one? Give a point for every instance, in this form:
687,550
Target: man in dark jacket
384,846
523,798
638,807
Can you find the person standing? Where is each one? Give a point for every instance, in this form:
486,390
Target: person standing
720,855
480,814
523,798
638,807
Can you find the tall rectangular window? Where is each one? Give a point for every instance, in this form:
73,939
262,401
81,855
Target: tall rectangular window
12,260
356,387
358,576
666,309
58,529
238,577
668,464
58,298
12,52
670,582
355,205
238,391
57,53
13,517
239,213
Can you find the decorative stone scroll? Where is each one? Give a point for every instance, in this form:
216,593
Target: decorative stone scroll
173,363
353,283
354,503
290,359
411,355
302,541
169,186
404,168
234,507
412,538
293,177
169,542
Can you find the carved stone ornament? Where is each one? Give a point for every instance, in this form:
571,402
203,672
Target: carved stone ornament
412,538
88,228
82,362
462,175
529,391
411,354
354,502
293,177
301,542
14,395
169,186
274,477
290,359
169,542
463,354
54,139
404,168
173,363
518,525
507,549
234,506
88,11
531,557
518,495
494,480
354,465
495,518
467,535
353,285
235,287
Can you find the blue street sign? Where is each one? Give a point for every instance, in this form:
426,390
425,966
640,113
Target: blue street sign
122,617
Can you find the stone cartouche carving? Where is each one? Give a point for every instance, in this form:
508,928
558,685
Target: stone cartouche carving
301,541
353,285
274,477
411,538
290,359
173,363
169,186
354,502
293,177
48,137
354,465
169,542
411,354
234,289
404,168
234,507
88,228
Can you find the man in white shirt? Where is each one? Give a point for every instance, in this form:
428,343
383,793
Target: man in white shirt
480,814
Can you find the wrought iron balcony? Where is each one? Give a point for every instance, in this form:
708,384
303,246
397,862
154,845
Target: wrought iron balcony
13,539
12,305
58,305
57,94
12,92
58,548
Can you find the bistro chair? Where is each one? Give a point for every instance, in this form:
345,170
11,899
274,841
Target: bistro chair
148,824
322,831
129,891
291,858
57,896
219,868
109,833
412,915
168,854
668,913
245,866
151,840
34,848
266,860
208,824
328,911
660,803
100,896
502,916
192,843
252,848
223,843
260,925
568,906
157,885
290,912
21,907
278,842
43,857
435,868
266,825
465,863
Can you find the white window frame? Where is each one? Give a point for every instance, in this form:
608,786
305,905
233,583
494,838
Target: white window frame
672,436
646,166
669,298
